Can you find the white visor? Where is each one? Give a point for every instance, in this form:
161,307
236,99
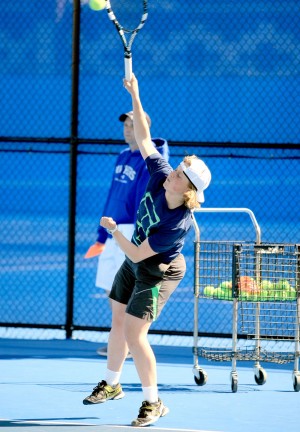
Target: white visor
199,175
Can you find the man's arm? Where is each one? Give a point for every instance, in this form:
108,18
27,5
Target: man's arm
134,253
141,128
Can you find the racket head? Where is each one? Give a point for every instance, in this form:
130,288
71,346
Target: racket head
128,16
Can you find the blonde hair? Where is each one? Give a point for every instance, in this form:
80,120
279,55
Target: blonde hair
190,196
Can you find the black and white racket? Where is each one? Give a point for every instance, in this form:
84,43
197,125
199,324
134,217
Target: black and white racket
133,15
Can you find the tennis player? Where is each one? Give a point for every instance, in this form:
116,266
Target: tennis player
153,268
127,187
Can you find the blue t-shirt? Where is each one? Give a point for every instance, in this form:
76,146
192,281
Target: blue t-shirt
128,185
165,228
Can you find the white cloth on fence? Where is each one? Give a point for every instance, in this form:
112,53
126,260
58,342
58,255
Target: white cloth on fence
111,259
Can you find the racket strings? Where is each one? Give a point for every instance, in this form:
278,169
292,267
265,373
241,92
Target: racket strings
129,16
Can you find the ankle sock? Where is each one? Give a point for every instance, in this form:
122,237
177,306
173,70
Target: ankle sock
150,394
112,378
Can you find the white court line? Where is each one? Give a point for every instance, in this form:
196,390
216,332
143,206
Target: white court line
166,429
43,422
46,422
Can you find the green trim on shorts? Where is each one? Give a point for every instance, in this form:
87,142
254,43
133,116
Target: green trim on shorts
145,287
155,293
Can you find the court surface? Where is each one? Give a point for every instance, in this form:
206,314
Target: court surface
43,383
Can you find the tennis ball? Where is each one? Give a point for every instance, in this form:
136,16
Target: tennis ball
209,291
97,5
219,293
266,285
248,284
227,285
253,297
281,295
245,296
291,294
264,295
283,285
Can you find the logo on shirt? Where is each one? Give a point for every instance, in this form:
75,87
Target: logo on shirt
147,218
125,171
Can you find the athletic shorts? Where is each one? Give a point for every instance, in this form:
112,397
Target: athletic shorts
145,287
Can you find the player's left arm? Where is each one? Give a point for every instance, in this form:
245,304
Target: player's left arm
141,127
134,253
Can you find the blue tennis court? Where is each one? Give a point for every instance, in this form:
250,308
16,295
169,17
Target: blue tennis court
43,384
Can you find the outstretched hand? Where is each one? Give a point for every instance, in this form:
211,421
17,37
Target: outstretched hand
131,86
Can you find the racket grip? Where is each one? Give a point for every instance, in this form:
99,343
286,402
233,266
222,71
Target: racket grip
128,68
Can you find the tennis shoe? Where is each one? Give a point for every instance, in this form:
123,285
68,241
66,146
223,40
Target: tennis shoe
149,413
104,392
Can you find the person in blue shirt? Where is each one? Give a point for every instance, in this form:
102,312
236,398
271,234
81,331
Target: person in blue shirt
153,268
127,187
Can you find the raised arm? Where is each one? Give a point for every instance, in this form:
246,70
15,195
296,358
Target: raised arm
141,128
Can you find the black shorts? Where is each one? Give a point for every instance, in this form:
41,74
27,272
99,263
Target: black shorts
145,287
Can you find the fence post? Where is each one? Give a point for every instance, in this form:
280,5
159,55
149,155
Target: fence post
73,167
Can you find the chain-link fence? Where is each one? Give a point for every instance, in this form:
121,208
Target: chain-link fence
219,79
213,71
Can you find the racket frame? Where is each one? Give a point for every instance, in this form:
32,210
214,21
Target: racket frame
122,31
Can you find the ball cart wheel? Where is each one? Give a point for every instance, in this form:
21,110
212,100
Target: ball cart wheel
200,376
260,376
234,382
296,382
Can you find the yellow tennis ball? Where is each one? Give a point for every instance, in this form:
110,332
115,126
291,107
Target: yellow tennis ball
97,5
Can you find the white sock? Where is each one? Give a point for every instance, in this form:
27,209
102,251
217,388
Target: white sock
112,378
150,394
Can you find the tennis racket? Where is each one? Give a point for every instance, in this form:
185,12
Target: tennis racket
133,15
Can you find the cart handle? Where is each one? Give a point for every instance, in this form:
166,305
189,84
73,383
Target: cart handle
226,210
